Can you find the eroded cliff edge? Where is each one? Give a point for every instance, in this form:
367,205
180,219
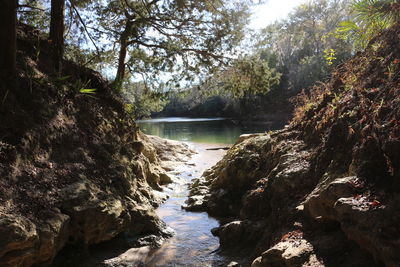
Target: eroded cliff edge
325,191
74,170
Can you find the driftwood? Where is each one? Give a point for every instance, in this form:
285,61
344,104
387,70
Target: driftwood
218,148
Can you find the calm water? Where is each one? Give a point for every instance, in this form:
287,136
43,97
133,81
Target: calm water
193,244
204,130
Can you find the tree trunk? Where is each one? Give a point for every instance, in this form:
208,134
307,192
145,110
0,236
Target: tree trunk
122,55
57,33
8,36
121,66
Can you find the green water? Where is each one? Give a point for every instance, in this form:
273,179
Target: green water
204,130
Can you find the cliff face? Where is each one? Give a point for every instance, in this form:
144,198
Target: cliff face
73,169
325,191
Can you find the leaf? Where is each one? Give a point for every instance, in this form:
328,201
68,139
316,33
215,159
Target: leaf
87,91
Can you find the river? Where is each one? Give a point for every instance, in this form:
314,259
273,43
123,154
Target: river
193,244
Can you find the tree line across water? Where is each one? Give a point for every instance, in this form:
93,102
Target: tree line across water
158,51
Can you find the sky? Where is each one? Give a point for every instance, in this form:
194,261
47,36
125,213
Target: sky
271,11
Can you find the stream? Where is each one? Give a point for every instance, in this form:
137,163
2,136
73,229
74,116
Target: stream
193,244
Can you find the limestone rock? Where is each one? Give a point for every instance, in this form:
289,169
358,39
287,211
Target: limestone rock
322,200
231,234
23,243
244,137
18,238
290,253
371,227
194,203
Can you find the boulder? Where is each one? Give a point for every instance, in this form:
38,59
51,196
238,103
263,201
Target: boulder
23,243
323,198
194,203
372,226
288,253
231,234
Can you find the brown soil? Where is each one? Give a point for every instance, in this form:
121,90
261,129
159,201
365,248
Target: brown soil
73,167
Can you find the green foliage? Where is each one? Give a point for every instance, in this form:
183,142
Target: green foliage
87,91
82,86
304,44
34,13
369,17
141,101
246,76
329,55
186,38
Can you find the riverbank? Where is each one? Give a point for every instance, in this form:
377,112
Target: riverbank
325,190
193,244
75,171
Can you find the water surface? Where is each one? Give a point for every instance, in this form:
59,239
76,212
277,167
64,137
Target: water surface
203,130
193,244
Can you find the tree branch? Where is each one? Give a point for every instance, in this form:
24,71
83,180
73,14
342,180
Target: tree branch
84,26
32,7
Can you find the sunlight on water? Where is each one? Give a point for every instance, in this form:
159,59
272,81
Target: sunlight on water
193,244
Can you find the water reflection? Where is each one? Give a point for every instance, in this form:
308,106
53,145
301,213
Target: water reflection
193,244
206,130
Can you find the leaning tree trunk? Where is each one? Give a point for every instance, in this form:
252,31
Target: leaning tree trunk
8,36
57,33
122,55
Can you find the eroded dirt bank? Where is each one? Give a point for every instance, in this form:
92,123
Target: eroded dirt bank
325,191
74,170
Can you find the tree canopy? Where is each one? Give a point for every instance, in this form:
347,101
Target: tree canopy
149,38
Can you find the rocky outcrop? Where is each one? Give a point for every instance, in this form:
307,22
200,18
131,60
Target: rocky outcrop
85,214
74,170
332,174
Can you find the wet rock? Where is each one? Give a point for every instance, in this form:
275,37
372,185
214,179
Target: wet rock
194,203
231,234
132,257
152,241
233,264
215,231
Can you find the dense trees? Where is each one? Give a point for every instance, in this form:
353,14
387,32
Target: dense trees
302,42
245,76
8,42
287,56
165,44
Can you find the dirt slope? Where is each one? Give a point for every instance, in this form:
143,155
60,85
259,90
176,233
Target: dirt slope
72,167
